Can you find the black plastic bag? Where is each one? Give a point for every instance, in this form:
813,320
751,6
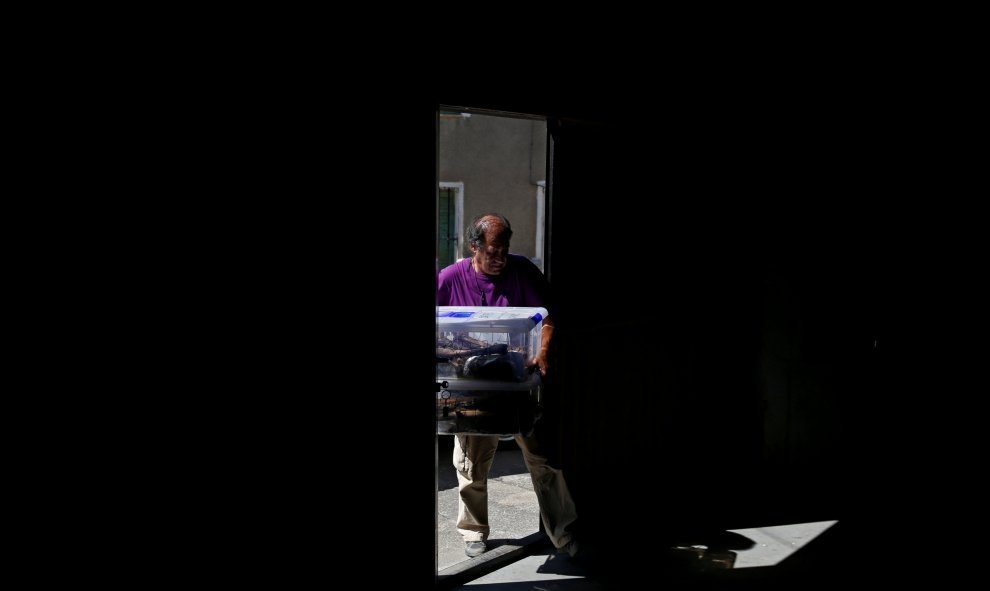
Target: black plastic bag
507,367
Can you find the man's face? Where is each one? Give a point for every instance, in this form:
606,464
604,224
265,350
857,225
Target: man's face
493,254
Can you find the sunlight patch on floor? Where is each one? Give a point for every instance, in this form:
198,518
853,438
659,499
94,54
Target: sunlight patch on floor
775,543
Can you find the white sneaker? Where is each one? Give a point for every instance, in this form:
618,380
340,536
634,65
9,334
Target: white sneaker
473,549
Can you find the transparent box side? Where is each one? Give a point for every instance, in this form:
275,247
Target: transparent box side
498,355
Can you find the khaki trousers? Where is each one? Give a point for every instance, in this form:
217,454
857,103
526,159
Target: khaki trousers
473,457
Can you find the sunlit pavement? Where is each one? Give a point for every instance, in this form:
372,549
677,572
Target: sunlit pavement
519,557
733,559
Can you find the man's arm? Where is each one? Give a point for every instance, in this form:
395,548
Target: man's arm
546,336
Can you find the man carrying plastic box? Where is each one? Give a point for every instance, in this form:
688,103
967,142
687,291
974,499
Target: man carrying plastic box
494,277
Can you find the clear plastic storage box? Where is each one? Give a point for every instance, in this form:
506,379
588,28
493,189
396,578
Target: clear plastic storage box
484,386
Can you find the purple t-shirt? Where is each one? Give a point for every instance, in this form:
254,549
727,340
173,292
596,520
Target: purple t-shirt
521,283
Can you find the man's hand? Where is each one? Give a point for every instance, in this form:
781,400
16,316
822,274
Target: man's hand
539,362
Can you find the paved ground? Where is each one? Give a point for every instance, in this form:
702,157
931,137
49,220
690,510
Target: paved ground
734,559
518,559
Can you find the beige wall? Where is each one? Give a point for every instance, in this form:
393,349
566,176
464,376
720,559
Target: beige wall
500,160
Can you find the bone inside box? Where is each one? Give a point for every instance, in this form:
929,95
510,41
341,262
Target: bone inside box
484,386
